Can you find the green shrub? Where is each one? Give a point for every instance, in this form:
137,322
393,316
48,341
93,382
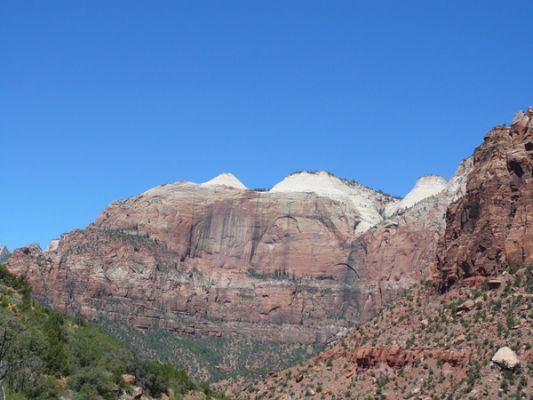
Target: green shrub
156,378
91,380
43,388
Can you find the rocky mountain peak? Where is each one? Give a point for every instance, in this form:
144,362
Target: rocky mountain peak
225,179
367,202
457,184
431,180
426,186
490,228
52,246
522,118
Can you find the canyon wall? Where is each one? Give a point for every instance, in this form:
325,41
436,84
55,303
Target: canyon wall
491,227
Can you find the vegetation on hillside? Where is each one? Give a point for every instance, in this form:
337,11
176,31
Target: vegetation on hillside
212,358
45,355
426,345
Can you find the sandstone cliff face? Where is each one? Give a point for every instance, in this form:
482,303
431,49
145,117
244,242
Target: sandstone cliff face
398,252
286,265
491,226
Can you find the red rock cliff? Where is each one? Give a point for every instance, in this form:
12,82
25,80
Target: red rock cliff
491,226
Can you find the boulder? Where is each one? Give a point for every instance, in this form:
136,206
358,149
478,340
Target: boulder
506,358
137,392
460,339
467,305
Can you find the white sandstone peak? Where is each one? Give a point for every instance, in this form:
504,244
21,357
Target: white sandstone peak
52,246
225,179
322,183
317,182
430,182
426,186
457,184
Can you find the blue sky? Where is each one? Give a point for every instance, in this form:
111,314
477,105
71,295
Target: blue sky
101,100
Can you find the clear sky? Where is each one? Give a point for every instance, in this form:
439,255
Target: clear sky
101,100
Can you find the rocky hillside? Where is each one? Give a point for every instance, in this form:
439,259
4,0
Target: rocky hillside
466,333
491,226
473,342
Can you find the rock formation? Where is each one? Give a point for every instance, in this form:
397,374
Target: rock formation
225,179
425,187
298,263
368,203
491,226
506,358
4,253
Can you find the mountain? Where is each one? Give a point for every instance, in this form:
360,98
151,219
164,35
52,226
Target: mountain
296,265
425,187
491,227
367,203
210,269
225,179
466,332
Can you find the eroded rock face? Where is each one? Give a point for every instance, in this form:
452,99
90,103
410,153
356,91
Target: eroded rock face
394,356
491,226
397,253
209,259
425,187
285,265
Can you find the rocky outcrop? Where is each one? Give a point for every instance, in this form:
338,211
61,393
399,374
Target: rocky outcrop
4,253
52,246
491,226
425,187
394,356
368,203
225,179
398,252
299,263
506,358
